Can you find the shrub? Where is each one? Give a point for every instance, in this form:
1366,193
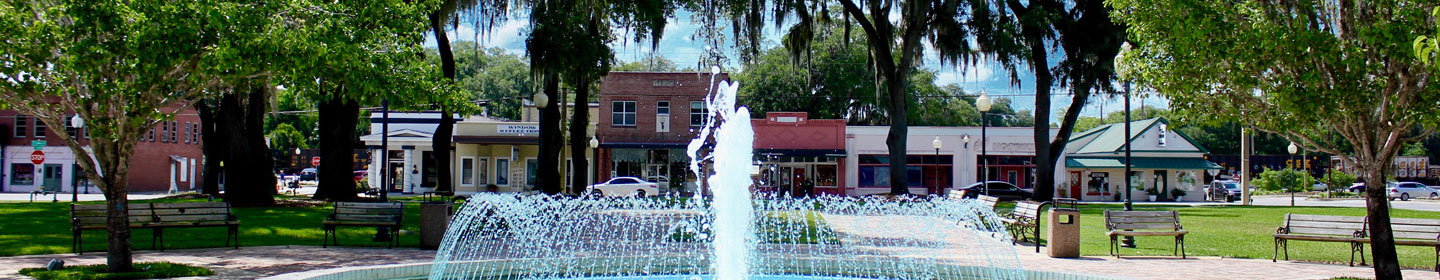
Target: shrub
1338,181
1282,180
97,272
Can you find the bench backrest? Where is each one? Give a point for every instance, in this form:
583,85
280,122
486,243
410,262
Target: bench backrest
1346,226
1167,220
1026,209
956,195
988,200
1423,229
369,211
93,215
192,212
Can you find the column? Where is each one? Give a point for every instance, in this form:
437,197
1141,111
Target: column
409,182
373,173
173,187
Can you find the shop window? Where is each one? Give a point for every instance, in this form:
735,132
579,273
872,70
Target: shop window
484,171
22,174
826,175
1099,183
622,113
532,166
21,126
502,171
874,176
467,171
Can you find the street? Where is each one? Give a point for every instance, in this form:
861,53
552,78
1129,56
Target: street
1284,200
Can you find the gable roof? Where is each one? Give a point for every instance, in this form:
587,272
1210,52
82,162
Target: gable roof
1111,138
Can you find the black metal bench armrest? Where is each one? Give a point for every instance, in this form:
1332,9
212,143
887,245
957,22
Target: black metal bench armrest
1282,230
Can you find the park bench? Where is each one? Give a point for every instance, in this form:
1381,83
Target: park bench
1144,223
1355,230
1347,229
364,214
1024,221
157,217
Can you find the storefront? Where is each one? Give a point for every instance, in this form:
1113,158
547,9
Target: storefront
799,156
1010,152
1164,163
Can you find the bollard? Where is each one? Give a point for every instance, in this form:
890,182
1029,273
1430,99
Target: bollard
1063,233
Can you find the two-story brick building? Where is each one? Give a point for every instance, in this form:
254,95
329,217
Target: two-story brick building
168,157
646,120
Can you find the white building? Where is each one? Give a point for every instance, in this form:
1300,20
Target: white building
1010,150
1161,159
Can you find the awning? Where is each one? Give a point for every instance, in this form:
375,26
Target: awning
1141,162
801,152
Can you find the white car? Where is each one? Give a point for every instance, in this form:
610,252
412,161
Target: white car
624,186
1407,190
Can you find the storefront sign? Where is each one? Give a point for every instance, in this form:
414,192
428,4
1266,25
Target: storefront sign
517,129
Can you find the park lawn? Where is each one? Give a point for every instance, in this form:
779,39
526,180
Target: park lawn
44,228
1242,232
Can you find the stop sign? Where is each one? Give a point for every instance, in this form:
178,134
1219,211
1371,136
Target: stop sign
37,157
315,161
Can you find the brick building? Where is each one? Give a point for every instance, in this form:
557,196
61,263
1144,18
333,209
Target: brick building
167,157
799,155
646,120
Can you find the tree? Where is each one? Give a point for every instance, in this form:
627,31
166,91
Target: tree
1307,71
121,67
1019,33
651,63
1416,149
895,47
286,138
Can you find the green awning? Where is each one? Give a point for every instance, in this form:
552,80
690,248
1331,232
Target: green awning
1141,162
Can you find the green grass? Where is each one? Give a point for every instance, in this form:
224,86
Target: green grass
97,272
788,227
44,228
1241,232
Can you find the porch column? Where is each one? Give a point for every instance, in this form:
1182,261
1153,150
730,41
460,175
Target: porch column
375,167
409,182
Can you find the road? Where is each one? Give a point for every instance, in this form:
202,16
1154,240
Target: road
1279,200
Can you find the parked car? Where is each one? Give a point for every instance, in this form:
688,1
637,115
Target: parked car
1357,187
308,174
1003,190
1407,190
1225,190
624,186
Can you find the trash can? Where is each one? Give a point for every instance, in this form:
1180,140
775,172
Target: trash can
1063,233
434,219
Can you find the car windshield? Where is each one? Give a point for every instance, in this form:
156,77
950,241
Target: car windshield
1232,186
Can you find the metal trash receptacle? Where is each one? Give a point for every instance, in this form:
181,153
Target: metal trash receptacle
1063,233
434,219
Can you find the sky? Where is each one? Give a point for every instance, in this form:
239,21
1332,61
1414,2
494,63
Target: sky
678,45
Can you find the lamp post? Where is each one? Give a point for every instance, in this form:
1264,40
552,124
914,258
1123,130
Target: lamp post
983,104
937,144
381,233
79,125
595,158
1129,241
1292,149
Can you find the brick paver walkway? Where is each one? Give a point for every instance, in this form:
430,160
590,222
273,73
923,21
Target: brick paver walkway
256,262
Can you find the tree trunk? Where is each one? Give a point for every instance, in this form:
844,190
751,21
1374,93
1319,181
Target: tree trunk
212,144
1044,172
899,132
551,141
114,159
249,180
337,135
1377,211
1080,96
446,129
579,138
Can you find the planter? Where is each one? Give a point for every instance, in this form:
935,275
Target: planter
1152,198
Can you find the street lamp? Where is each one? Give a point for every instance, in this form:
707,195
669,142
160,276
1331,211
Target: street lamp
79,125
594,156
983,104
937,144
1292,149
1129,241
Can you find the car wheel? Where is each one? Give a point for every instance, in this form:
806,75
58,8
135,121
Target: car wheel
597,193
1434,195
640,193
1405,197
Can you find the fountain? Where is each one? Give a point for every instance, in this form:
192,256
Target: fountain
729,235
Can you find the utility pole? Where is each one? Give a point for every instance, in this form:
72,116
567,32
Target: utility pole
1245,147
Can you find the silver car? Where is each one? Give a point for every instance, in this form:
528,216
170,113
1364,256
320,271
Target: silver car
1407,190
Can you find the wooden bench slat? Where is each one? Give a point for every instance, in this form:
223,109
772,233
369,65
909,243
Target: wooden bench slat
1324,218
193,211
1415,242
1415,222
1328,224
1416,235
369,211
176,218
1170,220
1141,213
1147,233
1136,226
1322,231
192,205
369,205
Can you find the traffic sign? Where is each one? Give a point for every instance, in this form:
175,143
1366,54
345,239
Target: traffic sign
37,157
38,144
315,161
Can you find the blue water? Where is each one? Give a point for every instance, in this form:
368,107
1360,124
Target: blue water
712,277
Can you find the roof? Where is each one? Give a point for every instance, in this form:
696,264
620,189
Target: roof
1111,138
1141,162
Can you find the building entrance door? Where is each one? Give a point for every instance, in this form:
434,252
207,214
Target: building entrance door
1162,183
797,186
397,176
51,177
1075,185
